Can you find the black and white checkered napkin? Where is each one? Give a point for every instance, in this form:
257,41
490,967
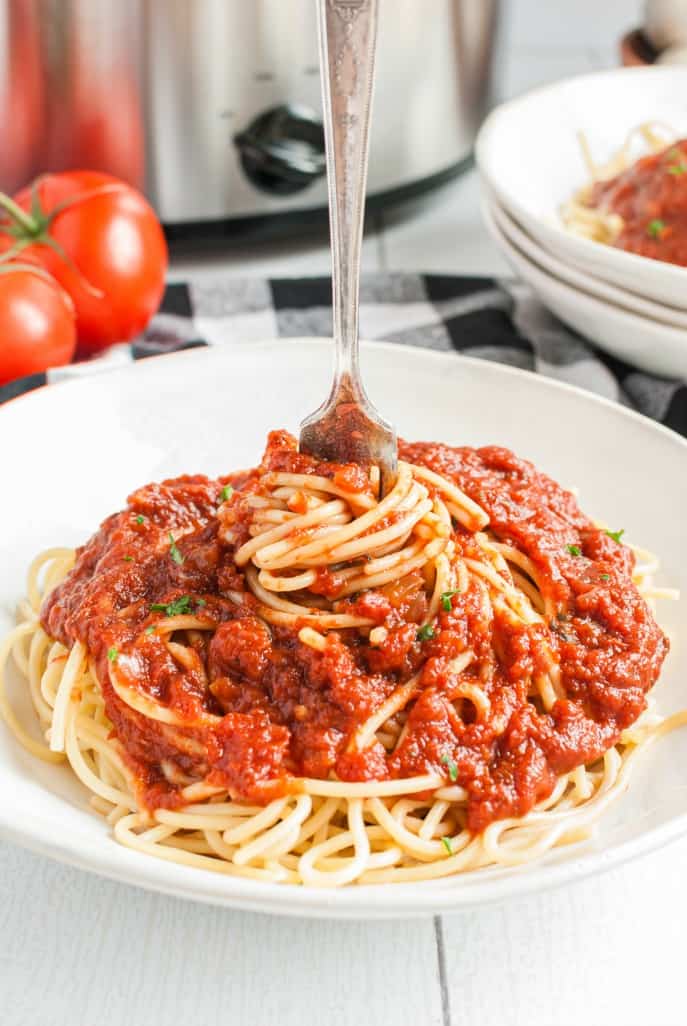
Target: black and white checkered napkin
493,319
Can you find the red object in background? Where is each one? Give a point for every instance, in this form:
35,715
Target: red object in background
103,129
94,117
37,323
70,90
22,110
106,248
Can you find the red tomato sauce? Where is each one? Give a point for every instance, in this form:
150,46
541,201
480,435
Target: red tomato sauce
651,198
260,708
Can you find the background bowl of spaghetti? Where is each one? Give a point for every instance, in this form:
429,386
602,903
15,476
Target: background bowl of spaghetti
529,156
61,481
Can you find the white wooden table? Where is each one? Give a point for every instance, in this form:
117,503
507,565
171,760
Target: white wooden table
76,950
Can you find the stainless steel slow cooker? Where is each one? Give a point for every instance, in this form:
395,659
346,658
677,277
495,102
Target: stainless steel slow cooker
213,108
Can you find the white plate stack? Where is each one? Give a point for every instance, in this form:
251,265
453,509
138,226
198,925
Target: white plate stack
531,163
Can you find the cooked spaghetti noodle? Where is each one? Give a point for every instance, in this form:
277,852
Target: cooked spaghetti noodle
293,681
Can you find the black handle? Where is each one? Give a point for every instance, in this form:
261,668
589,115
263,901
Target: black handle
282,150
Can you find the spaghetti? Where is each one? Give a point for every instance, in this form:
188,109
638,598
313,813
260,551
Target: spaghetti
284,678
637,201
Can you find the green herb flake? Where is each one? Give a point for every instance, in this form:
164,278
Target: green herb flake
655,227
176,608
677,169
425,632
226,493
562,617
140,519
450,765
200,603
112,654
128,559
446,599
174,550
605,577
574,550
616,535
446,841
150,629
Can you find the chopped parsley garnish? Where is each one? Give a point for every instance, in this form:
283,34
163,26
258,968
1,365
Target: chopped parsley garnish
605,577
140,519
226,493
200,603
112,654
149,629
655,227
174,550
446,841
128,559
176,608
450,765
574,550
446,599
677,158
616,535
425,632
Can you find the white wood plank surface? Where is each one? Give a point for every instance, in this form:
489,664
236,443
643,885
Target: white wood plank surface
442,234
608,950
76,950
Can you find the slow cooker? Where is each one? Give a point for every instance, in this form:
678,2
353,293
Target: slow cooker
212,107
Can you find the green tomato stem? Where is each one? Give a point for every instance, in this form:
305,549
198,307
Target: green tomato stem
16,265
19,216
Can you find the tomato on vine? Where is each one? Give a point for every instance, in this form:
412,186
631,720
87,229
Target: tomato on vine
102,242
37,322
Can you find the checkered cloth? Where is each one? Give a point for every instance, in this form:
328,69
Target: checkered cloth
492,319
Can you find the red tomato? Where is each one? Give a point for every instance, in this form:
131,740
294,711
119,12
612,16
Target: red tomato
22,99
37,325
104,129
106,248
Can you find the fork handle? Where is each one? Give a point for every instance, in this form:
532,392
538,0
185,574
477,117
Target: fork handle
348,31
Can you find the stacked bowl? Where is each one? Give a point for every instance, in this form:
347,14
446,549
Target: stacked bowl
532,163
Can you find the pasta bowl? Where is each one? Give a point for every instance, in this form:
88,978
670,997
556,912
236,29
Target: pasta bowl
208,410
529,155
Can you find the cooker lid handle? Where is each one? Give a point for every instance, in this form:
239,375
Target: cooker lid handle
282,150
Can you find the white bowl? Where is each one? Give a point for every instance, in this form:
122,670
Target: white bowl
641,341
529,155
208,410
571,275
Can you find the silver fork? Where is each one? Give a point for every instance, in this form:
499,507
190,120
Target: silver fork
347,427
